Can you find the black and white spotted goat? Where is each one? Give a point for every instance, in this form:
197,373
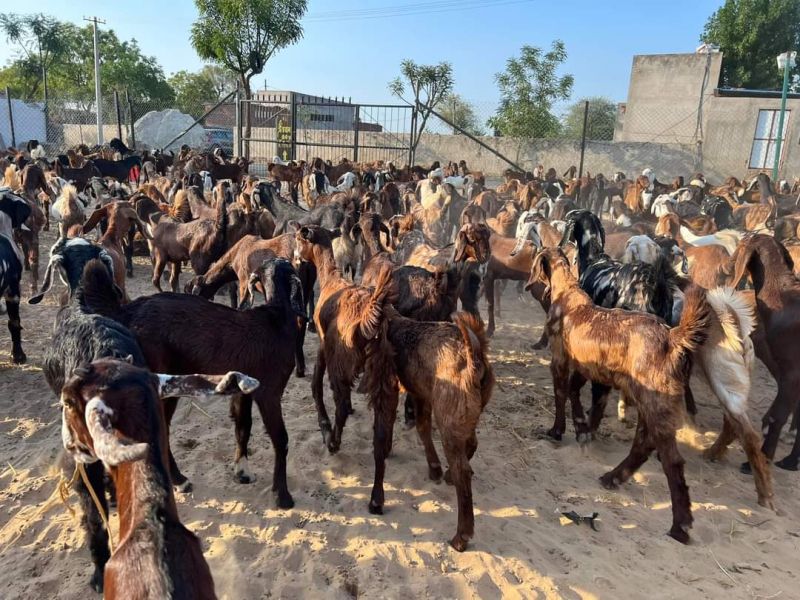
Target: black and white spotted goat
13,213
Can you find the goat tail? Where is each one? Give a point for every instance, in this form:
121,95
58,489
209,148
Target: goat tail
98,293
477,355
692,330
372,314
735,315
380,373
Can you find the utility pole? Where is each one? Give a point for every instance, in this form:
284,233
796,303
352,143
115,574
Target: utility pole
786,63
97,95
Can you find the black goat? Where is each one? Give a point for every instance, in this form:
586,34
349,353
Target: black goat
14,211
117,169
183,334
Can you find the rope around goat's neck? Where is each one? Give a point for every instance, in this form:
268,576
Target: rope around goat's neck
96,500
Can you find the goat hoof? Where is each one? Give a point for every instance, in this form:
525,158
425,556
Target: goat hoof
19,358
458,543
184,487
410,423
679,534
284,500
311,327
96,582
374,508
555,434
609,481
242,476
540,345
584,438
746,469
300,373
448,477
435,473
788,464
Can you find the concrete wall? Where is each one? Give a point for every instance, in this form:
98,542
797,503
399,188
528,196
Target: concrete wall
663,95
28,122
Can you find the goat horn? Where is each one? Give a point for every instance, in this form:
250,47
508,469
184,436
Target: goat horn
108,447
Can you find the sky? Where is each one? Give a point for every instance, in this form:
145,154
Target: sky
357,57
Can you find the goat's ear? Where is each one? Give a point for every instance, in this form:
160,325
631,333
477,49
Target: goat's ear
460,253
741,260
232,383
95,218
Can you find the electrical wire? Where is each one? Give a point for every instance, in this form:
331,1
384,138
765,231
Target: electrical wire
408,10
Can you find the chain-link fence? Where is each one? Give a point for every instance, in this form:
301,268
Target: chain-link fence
64,123
718,136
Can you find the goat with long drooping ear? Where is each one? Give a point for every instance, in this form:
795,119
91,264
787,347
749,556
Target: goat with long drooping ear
778,303
111,411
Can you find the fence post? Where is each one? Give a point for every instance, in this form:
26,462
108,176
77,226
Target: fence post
583,135
237,111
130,120
455,117
411,149
293,100
11,118
356,127
119,115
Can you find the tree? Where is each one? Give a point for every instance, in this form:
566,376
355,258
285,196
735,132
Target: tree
600,122
460,112
242,35
528,88
40,44
193,91
751,34
429,85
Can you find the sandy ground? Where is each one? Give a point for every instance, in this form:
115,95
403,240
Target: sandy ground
329,546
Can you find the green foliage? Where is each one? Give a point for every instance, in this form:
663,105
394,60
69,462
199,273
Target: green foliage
194,91
243,35
69,62
428,84
751,34
460,112
39,43
599,124
529,87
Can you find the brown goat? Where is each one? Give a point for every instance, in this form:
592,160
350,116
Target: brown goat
446,371
112,411
120,216
630,351
347,318
778,306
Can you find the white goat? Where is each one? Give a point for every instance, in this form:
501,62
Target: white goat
727,238
640,248
662,205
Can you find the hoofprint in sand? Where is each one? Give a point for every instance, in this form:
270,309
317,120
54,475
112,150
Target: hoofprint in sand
329,546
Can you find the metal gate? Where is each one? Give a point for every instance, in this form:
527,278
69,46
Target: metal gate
294,126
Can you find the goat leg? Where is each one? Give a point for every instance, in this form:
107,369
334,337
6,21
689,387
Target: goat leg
423,423
179,481
672,463
456,453
299,355
317,392
576,382
409,412
175,276
385,411
15,325
600,395
560,388
269,405
790,463
640,452
128,249
778,415
241,411
488,290
95,531
751,442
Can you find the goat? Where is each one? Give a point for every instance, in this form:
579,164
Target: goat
777,294
347,248
117,169
121,217
14,211
67,210
593,343
201,242
111,412
346,317
445,369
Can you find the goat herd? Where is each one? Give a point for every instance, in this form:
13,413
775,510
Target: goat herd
678,276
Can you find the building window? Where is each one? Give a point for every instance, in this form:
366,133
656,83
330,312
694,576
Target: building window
320,117
762,156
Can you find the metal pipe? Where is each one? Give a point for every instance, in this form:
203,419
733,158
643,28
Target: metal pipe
11,118
98,99
778,142
196,121
119,115
583,136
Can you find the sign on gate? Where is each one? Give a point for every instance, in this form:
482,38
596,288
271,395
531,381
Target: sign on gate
283,129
